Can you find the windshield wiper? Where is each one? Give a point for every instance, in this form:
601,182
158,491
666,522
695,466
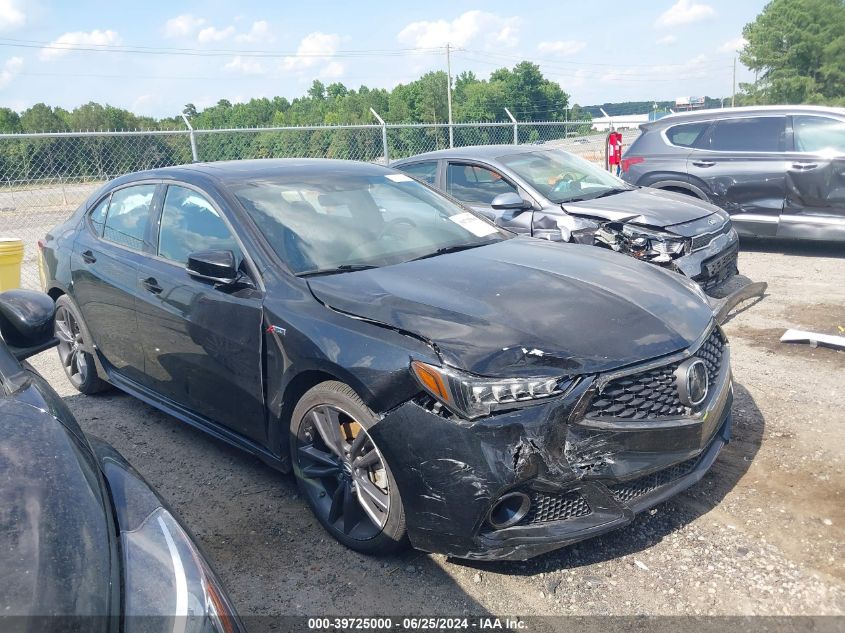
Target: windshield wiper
448,249
343,268
609,192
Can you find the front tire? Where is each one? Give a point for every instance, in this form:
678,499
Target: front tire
341,472
78,364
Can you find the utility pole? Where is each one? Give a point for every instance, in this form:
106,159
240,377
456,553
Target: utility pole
733,94
449,92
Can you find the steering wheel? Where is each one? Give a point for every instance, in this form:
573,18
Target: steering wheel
395,223
566,184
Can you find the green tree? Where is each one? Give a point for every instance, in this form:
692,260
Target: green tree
797,47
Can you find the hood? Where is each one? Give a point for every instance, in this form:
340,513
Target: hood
526,306
55,547
646,206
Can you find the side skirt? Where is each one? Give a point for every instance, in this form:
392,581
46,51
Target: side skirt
204,424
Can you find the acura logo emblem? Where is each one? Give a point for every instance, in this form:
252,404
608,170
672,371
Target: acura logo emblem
692,381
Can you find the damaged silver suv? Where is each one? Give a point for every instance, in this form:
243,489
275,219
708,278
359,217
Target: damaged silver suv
556,195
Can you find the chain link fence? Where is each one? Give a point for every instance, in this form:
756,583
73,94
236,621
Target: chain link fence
44,177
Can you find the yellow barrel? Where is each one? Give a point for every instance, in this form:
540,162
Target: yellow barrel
11,256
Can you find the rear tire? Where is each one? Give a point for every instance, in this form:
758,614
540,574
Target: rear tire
80,367
342,474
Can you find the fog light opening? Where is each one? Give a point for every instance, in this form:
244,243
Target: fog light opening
509,510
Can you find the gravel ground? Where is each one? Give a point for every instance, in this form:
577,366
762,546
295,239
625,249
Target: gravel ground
761,534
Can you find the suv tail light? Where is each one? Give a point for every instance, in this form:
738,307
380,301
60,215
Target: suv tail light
634,160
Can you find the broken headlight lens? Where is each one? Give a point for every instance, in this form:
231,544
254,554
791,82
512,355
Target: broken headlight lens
654,246
475,396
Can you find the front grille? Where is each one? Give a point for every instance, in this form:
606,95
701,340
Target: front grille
547,507
652,393
631,490
700,241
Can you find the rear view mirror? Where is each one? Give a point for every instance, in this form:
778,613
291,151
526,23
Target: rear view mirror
217,266
510,201
26,322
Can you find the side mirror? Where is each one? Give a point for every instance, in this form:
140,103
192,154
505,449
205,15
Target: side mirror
510,201
217,266
26,322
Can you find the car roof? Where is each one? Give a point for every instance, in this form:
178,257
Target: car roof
473,152
722,113
235,171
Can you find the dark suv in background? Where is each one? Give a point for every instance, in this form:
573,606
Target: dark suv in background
778,170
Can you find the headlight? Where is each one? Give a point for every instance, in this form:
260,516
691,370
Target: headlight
474,396
169,584
654,246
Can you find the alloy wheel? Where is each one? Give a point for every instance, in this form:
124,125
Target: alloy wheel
71,354
343,472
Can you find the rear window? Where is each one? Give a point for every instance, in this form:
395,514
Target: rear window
687,135
427,171
752,134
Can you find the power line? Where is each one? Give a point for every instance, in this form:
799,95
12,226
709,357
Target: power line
610,76
199,52
581,64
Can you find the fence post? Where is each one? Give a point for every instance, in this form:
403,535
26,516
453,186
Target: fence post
515,127
383,136
194,155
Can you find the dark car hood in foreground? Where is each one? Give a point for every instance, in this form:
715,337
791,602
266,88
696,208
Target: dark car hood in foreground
54,533
647,206
527,306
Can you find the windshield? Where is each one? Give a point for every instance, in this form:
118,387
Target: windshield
562,177
321,223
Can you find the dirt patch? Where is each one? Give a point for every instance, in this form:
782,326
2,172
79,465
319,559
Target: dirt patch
825,318
768,339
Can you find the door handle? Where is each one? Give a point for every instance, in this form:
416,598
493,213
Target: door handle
703,163
88,257
804,166
151,285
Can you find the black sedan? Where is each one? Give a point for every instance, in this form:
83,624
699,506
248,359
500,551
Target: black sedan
552,194
85,543
428,376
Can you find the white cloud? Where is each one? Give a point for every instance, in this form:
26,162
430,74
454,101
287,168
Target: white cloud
184,25
258,32
314,49
684,12
467,28
10,70
734,45
245,66
213,34
332,70
562,47
63,44
11,15
667,40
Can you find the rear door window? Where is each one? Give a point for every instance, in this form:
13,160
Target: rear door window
687,135
751,134
128,215
98,216
475,184
427,171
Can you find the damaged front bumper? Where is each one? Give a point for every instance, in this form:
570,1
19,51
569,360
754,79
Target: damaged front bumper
709,259
583,475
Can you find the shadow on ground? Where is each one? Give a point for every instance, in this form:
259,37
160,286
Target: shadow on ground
799,248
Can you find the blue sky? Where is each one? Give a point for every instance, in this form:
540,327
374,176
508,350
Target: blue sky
200,52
